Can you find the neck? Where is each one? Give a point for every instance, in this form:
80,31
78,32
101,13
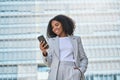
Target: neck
64,35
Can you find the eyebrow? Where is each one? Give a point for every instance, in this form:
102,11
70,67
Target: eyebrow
56,23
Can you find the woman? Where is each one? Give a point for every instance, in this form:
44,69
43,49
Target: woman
65,55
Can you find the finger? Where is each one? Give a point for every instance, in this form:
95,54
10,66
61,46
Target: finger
75,67
42,43
45,45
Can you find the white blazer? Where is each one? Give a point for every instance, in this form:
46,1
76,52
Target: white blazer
52,60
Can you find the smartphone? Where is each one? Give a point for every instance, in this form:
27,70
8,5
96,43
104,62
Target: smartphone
42,38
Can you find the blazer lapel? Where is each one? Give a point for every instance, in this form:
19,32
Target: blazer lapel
74,43
56,43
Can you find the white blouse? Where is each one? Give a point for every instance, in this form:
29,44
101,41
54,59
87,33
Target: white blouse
66,49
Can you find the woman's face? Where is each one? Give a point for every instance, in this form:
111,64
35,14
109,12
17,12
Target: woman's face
57,28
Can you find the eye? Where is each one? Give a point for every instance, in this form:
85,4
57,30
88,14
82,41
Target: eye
57,24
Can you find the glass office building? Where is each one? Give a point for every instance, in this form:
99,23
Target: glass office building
21,21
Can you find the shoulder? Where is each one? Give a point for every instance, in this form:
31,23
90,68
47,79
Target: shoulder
51,40
76,37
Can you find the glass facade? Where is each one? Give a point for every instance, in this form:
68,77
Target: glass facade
18,46
21,21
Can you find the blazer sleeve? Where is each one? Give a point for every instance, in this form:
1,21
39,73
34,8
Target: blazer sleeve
48,59
83,58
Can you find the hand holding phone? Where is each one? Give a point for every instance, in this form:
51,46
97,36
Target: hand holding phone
41,38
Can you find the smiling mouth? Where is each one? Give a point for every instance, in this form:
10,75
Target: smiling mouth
56,31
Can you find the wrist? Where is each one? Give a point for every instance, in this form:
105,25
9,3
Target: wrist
45,54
